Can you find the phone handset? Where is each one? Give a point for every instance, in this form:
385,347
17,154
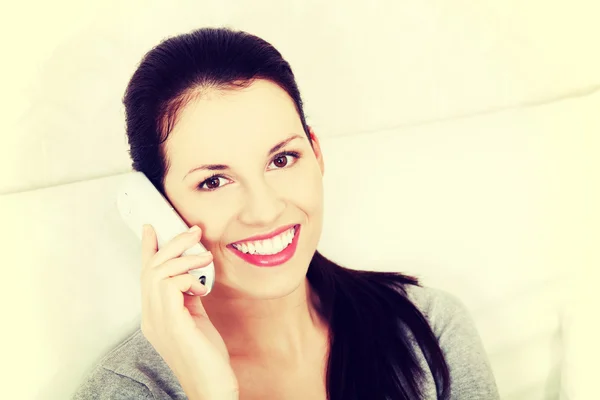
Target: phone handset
139,203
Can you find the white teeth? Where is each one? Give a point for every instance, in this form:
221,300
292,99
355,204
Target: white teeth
259,247
269,246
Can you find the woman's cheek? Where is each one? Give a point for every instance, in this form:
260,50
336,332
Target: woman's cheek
213,219
304,189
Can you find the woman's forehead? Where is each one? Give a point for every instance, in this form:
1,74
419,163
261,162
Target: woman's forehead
252,119
259,108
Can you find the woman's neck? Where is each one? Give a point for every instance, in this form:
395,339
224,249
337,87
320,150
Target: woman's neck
283,331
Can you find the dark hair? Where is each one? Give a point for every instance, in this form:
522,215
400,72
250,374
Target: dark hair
368,313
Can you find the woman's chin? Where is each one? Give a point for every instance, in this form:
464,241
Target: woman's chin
273,287
264,283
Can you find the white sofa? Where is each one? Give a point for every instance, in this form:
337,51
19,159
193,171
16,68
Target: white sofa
480,207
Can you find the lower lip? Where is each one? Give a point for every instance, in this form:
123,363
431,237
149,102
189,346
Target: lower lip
270,260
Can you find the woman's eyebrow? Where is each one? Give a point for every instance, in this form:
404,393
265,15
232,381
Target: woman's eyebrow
221,167
282,144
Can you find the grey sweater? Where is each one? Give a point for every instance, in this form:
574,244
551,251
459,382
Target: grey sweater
134,370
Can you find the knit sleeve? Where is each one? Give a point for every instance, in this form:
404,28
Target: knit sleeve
103,384
471,376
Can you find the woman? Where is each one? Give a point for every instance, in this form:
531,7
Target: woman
215,120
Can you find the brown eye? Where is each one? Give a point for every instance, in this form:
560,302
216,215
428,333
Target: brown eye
212,183
280,161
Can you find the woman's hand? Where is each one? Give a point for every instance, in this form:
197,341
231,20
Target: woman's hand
176,324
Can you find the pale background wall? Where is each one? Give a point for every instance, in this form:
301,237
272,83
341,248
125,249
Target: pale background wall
424,70
361,66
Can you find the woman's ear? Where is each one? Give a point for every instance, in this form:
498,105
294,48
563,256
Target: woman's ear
317,149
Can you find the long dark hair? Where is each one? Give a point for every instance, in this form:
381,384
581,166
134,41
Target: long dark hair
368,313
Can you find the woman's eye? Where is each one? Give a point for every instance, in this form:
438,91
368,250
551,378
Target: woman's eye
281,160
211,183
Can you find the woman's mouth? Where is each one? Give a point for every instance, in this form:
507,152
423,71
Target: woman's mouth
268,252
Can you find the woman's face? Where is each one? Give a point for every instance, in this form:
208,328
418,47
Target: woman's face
255,191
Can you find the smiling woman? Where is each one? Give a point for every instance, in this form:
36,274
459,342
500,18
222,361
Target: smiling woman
216,122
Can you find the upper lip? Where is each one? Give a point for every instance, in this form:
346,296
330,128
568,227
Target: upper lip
264,236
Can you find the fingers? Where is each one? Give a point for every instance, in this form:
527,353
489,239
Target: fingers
176,246
164,306
187,282
180,265
164,270
183,283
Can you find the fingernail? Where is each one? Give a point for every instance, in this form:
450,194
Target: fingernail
194,228
144,229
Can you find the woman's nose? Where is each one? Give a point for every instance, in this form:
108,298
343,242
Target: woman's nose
262,205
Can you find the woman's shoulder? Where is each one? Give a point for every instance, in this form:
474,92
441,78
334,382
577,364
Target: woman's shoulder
447,315
458,337
131,370
438,305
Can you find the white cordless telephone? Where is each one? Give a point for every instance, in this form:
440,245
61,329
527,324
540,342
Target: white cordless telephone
139,203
